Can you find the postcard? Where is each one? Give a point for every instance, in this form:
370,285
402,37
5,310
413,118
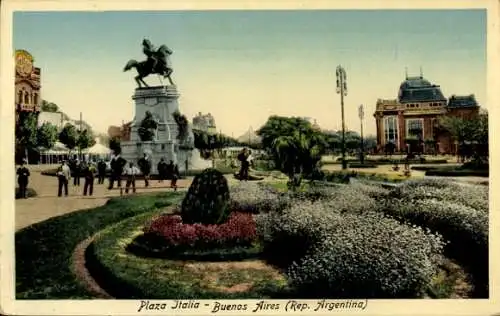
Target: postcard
215,157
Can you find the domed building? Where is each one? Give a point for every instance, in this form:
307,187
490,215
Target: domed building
414,115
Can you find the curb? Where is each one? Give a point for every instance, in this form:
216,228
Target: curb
82,273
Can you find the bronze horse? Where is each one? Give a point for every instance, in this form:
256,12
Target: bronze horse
157,63
144,69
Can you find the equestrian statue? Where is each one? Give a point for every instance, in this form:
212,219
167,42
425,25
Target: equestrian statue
157,62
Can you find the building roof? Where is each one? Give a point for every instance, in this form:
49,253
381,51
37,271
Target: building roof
54,118
466,101
418,89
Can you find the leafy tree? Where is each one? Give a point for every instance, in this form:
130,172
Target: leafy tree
115,145
69,136
370,143
46,135
26,134
281,126
295,146
471,134
148,127
85,139
49,106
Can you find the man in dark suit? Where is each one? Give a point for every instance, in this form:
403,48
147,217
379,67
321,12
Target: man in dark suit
101,171
145,166
22,179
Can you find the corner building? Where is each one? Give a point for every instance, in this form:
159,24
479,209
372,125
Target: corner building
27,84
416,112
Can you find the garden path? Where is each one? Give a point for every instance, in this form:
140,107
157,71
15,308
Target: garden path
47,204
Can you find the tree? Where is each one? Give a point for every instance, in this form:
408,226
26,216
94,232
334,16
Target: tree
26,134
85,139
115,145
471,135
46,136
298,155
49,106
281,126
296,147
148,127
69,136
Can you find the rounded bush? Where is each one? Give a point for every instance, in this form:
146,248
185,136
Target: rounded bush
255,198
207,200
334,254
471,195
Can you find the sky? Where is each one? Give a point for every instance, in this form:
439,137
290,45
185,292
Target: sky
243,66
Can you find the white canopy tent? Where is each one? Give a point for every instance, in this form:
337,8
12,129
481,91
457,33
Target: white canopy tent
55,154
98,151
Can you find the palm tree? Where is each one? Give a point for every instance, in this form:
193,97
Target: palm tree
297,154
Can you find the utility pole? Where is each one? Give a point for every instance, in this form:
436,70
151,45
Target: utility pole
342,90
361,113
79,135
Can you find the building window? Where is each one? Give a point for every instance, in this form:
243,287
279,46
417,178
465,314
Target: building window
26,98
391,129
415,128
20,97
35,98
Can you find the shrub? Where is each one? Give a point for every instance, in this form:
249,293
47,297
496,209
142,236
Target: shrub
256,198
207,200
329,254
29,193
168,232
471,195
465,228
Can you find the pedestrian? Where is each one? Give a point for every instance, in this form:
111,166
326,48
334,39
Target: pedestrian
242,157
101,171
63,176
169,170
22,179
117,164
162,170
89,174
145,166
131,172
76,172
175,176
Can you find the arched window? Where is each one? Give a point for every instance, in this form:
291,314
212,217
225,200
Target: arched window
26,97
20,97
35,98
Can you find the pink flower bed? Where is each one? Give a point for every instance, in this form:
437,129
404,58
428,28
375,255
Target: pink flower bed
238,230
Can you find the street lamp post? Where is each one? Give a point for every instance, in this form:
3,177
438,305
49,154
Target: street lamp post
342,90
361,114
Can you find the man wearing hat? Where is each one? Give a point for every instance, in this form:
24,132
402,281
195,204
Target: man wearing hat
22,179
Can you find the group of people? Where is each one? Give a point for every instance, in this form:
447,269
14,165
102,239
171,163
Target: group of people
119,168
246,159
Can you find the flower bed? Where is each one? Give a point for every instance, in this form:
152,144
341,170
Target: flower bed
168,235
334,254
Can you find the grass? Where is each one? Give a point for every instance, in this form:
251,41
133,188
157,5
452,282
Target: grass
450,282
125,275
341,176
44,250
452,171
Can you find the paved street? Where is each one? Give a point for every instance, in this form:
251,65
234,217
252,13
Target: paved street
47,204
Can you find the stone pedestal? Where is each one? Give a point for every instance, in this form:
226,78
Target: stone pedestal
162,102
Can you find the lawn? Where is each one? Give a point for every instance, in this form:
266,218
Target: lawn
44,250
